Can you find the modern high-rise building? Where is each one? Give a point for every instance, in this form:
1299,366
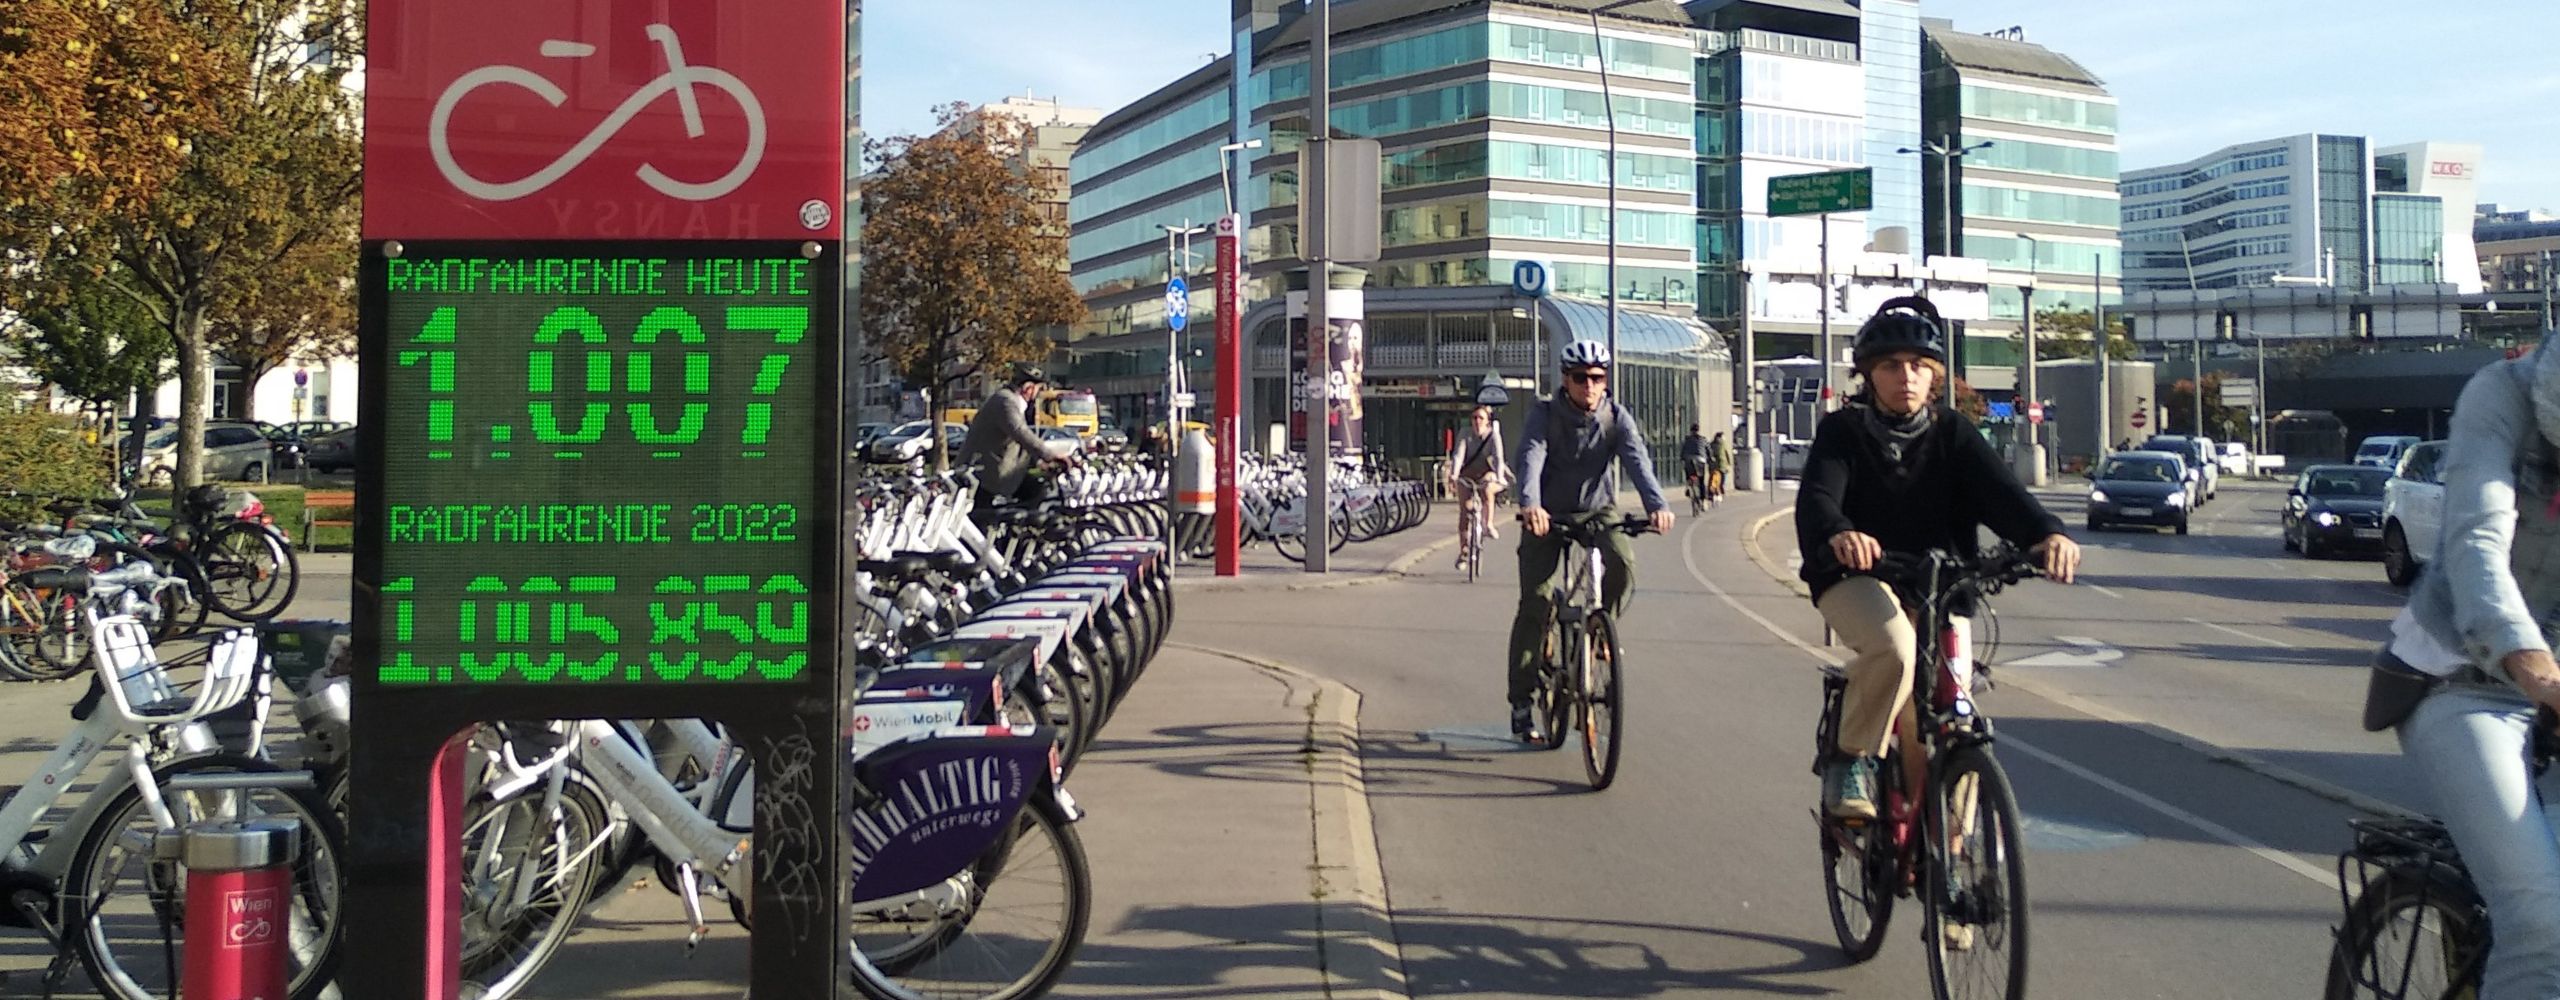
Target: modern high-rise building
2038,203
2327,208
1780,91
1495,137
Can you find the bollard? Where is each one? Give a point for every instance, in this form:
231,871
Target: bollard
239,906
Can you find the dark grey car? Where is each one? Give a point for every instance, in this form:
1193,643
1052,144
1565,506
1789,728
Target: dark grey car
2139,487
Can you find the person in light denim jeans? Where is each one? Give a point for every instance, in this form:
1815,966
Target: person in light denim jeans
2497,561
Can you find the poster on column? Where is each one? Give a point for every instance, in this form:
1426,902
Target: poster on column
1345,379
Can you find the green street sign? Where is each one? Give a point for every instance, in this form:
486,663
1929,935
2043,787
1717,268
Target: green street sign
1851,190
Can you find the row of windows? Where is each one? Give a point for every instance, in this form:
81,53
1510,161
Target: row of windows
2273,187
1092,200
2266,159
2044,158
1363,64
2054,257
1406,225
1799,83
1504,158
1574,48
1801,137
2037,109
1635,284
1798,45
1203,112
1094,241
1431,273
1583,107
2039,206
1590,224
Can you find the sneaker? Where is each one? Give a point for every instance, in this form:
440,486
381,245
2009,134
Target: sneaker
1848,788
1524,726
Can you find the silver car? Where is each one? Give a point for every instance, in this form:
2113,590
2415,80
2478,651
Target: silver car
233,449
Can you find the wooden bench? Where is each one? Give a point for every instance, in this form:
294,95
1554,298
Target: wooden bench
313,501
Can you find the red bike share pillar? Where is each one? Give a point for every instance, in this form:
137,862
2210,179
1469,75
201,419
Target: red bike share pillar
1226,524
239,909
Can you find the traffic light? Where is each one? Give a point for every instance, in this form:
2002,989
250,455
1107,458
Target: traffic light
2226,326
1840,298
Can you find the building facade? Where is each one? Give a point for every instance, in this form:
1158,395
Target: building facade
2038,204
2325,208
1494,137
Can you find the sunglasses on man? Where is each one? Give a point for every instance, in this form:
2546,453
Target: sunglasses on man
1599,375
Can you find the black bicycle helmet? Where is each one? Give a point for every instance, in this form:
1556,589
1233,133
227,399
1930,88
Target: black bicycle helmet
1903,323
207,499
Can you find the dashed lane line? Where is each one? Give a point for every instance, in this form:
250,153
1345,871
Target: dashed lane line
1689,557
2251,636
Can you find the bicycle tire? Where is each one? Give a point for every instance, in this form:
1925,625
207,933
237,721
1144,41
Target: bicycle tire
1986,637
1858,883
1290,547
1980,886
1339,533
1603,709
60,640
500,957
2460,933
257,559
156,903
924,962
1555,684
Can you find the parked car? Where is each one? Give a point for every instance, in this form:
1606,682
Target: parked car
233,449
2384,451
908,441
289,445
334,451
2334,508
2201,461
1110,438
1061,434
2140,487
2412,511
864,434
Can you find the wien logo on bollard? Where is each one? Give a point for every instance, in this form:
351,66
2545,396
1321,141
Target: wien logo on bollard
250,917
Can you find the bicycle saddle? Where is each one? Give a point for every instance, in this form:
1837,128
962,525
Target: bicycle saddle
57,578
948,561
901,567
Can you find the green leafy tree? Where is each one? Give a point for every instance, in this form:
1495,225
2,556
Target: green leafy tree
280,172
102,98
959,267
303,309
97,346
2178,410
2064,333
47,454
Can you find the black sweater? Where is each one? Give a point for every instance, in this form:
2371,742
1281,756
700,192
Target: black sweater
1947,486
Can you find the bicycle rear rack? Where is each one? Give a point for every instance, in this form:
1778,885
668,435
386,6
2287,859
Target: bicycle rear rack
2417,852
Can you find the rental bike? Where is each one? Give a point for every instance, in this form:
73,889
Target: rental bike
1948,828
1580,680
2415,927
1473,530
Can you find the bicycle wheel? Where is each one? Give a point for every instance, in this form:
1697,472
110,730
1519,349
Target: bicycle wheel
125,907
57,639
1603,710
1341,533
527,879
2408,935
1014,926
1858,882
1556,670
1986,638
250,573
1290,547
1977,933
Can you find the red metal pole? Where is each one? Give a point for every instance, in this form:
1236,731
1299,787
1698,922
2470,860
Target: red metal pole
1226,524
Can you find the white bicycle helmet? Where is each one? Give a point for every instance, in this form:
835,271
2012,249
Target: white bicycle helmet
1584,354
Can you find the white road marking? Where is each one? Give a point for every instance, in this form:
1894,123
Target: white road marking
2104,591
1689,556
2084,652
2252,637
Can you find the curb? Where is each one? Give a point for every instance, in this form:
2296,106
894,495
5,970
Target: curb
1751,546
2217,753
1356,942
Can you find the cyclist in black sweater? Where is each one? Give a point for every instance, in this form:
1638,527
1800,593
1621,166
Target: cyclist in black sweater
1896,470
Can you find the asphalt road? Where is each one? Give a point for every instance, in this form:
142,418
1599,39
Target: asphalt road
2181,730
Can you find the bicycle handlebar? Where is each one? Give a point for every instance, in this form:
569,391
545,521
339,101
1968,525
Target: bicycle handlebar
1986,573
1631,524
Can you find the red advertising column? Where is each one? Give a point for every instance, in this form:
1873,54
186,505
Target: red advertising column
1227,522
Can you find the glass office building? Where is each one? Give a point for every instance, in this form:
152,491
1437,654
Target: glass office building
2039,203
1495,136
2317,207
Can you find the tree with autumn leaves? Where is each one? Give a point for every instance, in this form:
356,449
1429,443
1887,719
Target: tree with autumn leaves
960,271
199,159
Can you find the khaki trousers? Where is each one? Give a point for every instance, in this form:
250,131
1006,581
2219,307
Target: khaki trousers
1862,611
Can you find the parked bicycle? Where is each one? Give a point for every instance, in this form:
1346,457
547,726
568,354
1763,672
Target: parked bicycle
1948,829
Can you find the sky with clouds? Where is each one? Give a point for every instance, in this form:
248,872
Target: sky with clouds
2191,75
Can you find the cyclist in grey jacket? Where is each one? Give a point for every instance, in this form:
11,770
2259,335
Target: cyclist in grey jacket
1566,447
2472,623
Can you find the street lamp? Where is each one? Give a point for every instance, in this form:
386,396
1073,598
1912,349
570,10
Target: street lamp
2030,457
1226,153
1609,115
1948,152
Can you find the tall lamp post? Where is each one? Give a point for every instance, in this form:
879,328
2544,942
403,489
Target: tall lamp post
2030,457
1948,151
1609,115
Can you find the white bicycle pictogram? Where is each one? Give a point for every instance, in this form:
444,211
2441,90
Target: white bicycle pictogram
679,78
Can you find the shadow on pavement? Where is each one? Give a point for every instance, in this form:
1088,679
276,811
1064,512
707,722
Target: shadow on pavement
1595,958
2315,656
2255,589
2148,758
